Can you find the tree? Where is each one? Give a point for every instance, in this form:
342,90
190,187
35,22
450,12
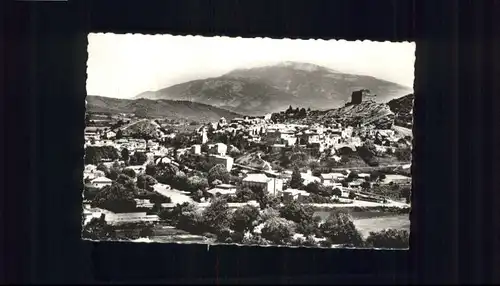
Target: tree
296,212
146,232
98,229
191,221
138,158
314,188
129,172
102,167
218,172
217,216
196,183
389,238
125,154
146,182
95,154
406,194
302,113
151,169
119,134
116,198
244,195
365,185
403,154
245,218
339,229
296,180
352,195
337,192
278,230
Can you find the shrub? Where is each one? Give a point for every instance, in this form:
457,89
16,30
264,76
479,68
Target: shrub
390,238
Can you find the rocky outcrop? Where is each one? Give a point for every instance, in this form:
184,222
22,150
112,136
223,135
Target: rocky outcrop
366,113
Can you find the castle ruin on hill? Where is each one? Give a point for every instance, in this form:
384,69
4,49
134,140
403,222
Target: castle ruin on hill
361,95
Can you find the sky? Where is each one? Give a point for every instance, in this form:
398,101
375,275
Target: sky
123,66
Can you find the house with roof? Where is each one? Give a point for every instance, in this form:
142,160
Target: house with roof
223,189
329,179
218,149
196,149
258,180
290,195
101,182
120,218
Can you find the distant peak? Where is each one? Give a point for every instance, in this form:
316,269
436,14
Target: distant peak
303,66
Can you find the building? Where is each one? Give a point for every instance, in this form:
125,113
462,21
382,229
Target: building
110,135
223,160
101,182
218,149
290,195
361,95
119,218
196,149
270,185
329,179
223,189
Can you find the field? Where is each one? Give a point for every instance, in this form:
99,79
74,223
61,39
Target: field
375,221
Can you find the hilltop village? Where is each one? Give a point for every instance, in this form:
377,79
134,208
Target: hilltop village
150,171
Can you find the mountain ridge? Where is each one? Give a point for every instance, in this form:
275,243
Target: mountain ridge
267,89
158,108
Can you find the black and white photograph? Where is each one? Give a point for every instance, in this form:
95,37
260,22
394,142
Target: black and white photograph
248,141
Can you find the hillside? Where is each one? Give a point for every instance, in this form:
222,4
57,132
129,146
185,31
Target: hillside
366,113
261,90
403,109
170,109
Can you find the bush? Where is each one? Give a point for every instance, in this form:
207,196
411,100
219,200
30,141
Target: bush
390,238
278,230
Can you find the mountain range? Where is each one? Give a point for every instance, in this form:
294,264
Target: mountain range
261,90
158,108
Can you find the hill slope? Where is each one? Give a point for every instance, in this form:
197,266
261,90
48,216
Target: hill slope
158,108
272,88
403,108
365,113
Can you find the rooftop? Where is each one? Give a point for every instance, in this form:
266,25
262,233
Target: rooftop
259,178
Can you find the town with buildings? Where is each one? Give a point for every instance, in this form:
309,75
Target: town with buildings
286,178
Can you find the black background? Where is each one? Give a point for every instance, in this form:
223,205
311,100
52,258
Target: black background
454,220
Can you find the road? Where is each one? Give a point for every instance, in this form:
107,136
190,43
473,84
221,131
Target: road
132,123
403,130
